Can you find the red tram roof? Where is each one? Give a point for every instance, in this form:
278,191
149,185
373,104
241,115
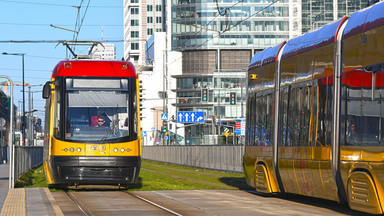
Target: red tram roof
91,68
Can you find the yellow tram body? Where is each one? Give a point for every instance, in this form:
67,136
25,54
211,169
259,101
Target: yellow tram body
315,123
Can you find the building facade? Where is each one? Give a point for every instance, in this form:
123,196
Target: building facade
217,40
141,19
105,51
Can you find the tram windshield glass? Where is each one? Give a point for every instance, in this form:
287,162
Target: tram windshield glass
97,110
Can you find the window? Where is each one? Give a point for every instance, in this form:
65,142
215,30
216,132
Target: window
149,8
150,31
362,97
134,46
158,19
158,7
149,19
134,34
134,11
134,22
134,1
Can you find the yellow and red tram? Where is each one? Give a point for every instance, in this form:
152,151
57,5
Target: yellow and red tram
78,150
315,114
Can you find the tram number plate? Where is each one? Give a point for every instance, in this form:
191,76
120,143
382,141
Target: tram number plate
97,148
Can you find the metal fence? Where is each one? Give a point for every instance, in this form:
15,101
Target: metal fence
27,158
225,158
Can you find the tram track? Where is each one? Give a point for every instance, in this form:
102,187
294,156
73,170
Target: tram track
152,203
90,204
82,208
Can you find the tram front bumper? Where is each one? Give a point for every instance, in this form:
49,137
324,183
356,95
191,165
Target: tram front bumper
95,170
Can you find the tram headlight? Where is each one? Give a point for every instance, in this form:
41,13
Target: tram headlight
78,149
128,150
71,149
65,149
122,149
115,150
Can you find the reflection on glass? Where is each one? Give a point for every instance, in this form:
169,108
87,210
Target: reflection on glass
86,110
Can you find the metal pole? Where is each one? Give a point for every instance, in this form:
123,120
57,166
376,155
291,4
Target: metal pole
23,122
164,68
10,138
29,116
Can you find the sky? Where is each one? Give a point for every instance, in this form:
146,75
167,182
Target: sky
30,20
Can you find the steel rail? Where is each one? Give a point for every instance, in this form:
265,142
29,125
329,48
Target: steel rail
154,204
83,209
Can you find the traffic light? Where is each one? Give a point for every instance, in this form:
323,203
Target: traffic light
204,94
232,98
164,127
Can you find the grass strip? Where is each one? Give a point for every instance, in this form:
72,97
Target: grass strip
162,176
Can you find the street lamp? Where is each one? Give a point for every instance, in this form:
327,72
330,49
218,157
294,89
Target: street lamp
22,63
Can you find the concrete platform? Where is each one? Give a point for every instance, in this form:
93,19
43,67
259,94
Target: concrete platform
25,201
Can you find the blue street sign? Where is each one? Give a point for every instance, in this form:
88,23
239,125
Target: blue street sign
153,129
166,137
164,116
190,117
143,133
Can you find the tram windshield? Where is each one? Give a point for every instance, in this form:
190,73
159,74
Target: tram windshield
97,115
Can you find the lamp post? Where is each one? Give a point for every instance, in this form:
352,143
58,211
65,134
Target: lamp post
22,68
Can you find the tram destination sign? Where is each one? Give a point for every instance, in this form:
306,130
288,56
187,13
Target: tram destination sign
190,117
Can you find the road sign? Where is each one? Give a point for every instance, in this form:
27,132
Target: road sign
143,133
226,130
226,135
164,116
238,127
153,129
166,137
242,126
190,117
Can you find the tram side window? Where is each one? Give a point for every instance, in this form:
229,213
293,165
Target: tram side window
283,117
314,111
305,115
259,119
370,109
249,121
269,119
253,120
322,112
293,117
57,113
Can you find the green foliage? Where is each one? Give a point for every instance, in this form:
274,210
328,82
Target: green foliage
32,178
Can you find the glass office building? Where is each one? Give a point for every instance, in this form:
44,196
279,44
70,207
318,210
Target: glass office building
207,24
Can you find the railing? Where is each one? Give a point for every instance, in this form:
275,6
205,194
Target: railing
226,158
27,158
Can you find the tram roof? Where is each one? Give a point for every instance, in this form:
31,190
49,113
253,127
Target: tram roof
266,56
312,40
91,68
365,20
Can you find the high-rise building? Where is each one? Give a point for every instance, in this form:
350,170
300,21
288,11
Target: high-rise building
217,40
141,20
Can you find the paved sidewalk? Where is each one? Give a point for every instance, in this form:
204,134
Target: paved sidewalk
4,175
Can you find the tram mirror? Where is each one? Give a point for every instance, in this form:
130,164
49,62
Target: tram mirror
47,90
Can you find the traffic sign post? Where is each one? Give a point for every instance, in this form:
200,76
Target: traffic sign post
190,117
164,116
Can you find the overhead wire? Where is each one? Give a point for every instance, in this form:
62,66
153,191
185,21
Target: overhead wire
58,5
220,33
